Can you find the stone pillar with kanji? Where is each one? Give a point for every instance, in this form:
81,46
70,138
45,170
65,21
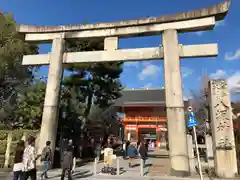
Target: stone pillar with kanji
225,161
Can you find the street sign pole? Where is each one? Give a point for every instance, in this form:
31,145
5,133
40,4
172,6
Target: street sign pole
198,156
192,122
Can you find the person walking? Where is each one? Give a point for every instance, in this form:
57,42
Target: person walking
92,149
18,165
69,160
46,158
108,143
98,149
142,150
29,160
131,153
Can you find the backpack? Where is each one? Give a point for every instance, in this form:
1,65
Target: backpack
46,153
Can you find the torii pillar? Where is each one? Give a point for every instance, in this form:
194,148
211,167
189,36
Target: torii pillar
50,111
177,137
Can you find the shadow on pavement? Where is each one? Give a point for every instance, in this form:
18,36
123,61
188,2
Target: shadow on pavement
148,165
135,165
77,174
83,174
157,156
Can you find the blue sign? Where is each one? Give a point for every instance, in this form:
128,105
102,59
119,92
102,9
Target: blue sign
192,120
121,115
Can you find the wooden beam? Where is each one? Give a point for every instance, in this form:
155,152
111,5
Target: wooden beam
130,31
189,51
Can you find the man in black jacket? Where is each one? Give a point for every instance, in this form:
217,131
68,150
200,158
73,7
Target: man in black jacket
69,160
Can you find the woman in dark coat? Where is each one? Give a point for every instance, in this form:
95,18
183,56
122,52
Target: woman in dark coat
142,150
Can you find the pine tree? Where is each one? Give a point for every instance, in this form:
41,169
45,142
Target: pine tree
13,76
96,84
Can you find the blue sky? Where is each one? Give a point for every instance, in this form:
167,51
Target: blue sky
149,73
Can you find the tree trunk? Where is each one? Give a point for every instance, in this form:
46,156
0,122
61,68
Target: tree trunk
84,120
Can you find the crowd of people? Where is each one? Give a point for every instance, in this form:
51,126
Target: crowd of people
26,156
131,150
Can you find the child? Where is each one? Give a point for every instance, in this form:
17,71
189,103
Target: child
132,153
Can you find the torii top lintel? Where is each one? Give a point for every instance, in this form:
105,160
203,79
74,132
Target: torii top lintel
218,11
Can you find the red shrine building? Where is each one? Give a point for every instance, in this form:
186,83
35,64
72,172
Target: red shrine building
144,114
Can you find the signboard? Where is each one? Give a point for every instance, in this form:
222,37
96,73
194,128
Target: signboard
192,122
131,127
157,127
108,156
148,126
190,109
145,118
143,126
121,115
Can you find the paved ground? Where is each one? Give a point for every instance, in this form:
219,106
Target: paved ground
156,169
86,171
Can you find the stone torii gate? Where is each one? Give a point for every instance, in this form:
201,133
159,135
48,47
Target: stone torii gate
171,51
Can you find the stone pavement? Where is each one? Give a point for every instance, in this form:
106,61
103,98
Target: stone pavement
157,167
86,171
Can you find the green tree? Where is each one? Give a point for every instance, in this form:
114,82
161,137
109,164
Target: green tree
71,109
13,76
29,107
96,84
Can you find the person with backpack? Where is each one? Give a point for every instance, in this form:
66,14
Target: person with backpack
46,158
131,153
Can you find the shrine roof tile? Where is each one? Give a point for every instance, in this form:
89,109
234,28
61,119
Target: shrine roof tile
143,97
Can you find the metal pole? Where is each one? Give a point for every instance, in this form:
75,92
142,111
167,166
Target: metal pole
141,167
198,156
118,166
95,166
